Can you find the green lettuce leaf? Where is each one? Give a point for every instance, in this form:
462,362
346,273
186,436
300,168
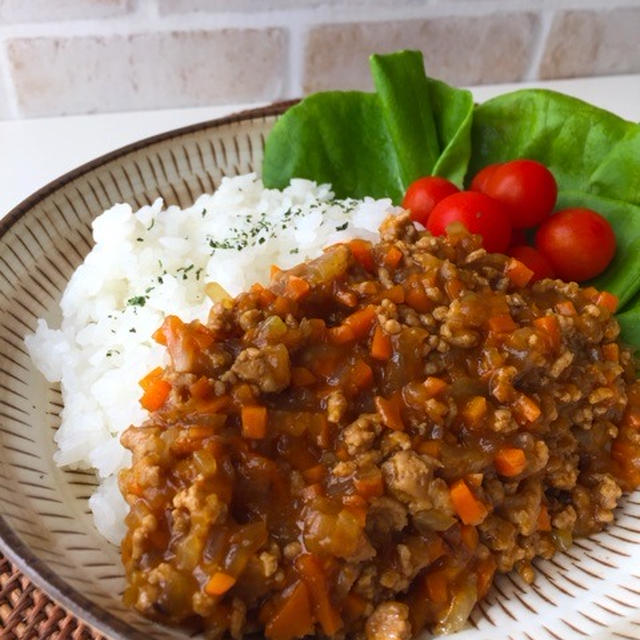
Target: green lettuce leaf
630,325
374,144
586,148
593,154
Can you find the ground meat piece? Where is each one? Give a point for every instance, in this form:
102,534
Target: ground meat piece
497,533
237,619
361,433
268,367
389,621
522,508
561,364
407,476
503,421
336,406
386,515
502,383
565,519
394,441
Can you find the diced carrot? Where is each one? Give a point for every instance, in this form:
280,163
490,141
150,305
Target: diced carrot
292,618
437,586
550,329
310,570
396,294
155,395
510,461
544,520
469,536
281,306
266,297
301,377
430,447
626,457
200,431
151,377
354,606
215,405
474,410
341,334
381,347
485,571
469,509
526,408
361,251
393,257
202,336
502,323
201,388
453,288
370,485
274,271
297,288
360,376
389,410
566,308
417,299
219,583
159,337
361,321
608,301
434,386
611,352
314,474
518,272
254,422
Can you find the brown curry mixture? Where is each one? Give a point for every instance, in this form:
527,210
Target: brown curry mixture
357,448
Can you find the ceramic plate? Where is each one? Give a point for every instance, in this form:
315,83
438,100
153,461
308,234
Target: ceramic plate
46,528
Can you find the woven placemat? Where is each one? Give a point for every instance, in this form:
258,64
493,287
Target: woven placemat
27,613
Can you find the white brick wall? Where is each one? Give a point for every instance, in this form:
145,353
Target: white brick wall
83,56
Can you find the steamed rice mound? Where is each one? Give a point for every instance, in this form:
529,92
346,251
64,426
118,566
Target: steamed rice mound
156,261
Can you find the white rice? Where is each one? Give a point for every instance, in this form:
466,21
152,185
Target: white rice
155,261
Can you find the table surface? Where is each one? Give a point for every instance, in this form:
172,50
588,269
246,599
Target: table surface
36,151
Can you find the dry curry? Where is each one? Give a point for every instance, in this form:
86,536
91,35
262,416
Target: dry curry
357,448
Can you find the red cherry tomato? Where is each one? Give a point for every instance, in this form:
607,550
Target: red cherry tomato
579,243
424,193
533,259
527,188
481,178
479,213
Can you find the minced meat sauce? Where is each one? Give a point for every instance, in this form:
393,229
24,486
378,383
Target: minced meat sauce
357,448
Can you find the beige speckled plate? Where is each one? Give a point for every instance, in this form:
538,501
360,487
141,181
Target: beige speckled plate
45,526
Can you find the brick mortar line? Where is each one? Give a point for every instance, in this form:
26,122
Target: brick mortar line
7,83
540,45
142,20
297,46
